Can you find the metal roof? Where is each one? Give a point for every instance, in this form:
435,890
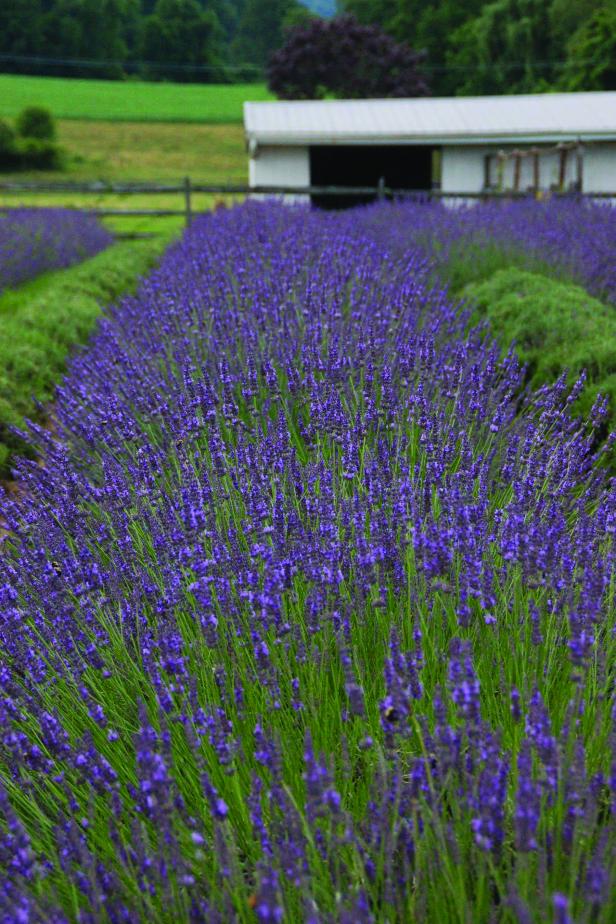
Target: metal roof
442,120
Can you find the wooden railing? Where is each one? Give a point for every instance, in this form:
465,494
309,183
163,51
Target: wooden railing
187,189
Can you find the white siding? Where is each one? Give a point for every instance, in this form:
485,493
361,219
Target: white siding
599,168
549,170
280,166
462,168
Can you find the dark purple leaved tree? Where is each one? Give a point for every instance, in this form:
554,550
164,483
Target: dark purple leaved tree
343,58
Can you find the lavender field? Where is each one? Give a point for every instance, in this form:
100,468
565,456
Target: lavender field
33,241
567,237
308,614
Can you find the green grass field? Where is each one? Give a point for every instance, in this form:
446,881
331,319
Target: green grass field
147,132
129,101
146,152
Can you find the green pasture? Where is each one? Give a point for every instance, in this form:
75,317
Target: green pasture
43,320
145,152
130,101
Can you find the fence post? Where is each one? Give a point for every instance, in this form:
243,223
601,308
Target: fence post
187,204
501,157
517,165
562,166
536,178
381,189
579,162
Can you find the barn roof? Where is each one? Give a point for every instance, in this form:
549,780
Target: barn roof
443,120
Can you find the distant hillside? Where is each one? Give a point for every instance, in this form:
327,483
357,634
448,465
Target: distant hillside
321,7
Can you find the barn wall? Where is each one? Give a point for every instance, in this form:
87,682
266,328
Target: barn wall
280,166
549,169
600,168
462,168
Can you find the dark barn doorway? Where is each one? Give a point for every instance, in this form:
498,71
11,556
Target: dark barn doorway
402,166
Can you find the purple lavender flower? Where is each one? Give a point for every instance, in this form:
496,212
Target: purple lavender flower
528,802
35,240
296,532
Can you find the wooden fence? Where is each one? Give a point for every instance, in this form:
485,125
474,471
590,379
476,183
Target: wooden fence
187,189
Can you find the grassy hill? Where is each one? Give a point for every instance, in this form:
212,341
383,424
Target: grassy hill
129,101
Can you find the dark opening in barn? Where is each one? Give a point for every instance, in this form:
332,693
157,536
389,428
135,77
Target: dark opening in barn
401,166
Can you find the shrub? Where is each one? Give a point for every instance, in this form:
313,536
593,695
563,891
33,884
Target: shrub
32,147
8,152
36,122
34,154
556,326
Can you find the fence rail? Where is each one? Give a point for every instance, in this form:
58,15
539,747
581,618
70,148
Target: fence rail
187,189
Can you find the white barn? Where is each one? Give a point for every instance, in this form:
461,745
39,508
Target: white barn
459,144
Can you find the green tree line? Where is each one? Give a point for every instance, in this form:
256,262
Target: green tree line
504,46
472,47
180,40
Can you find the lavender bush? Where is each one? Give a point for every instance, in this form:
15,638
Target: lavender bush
304,617
35,240
569,237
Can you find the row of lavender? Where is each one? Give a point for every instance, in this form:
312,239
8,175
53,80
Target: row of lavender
304,618
575,237
33,241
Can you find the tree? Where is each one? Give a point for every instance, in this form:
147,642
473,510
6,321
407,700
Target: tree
36,122
378,12
505,49
347,59
69,25
261,29
591,63
20,31
424,25
181,42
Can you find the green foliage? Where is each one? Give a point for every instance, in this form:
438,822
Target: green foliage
556,327
504,46
591,63
95,31
36,122
469,262
181,34
32,147
42,321
8,151
261,29
202,41
33,154
473,46
503,50
297,16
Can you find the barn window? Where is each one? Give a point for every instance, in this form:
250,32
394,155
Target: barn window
402,166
